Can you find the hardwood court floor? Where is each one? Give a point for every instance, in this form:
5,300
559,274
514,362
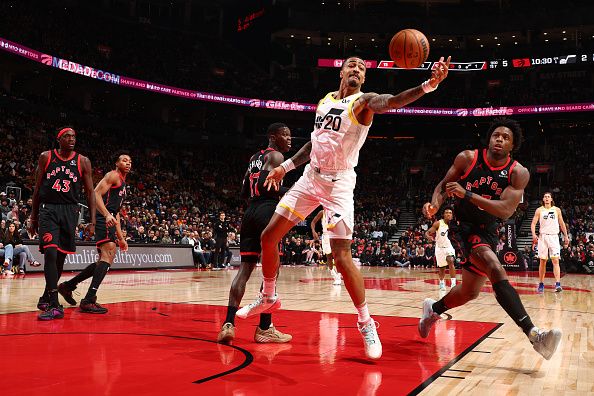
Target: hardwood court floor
158,338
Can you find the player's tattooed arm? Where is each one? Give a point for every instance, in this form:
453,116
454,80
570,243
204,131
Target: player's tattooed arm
384,102
302,156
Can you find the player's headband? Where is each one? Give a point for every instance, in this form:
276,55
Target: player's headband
63,131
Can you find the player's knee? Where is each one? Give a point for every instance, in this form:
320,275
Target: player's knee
269,238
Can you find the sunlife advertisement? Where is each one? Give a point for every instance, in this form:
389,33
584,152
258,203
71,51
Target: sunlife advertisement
136,257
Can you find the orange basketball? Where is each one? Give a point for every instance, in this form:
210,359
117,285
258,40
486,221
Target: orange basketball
409,48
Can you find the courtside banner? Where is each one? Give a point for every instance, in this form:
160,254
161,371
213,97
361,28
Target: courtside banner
275,104
137,257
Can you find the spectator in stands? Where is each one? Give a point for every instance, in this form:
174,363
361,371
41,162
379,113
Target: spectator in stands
13,247
141,236
4,208
166,238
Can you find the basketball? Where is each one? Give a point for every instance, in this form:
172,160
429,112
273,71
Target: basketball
409,48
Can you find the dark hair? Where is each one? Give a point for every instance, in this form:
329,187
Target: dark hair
552,200
448,208
510,124
119,153
275,128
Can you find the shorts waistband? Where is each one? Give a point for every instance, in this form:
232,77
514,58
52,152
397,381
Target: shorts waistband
549,234
331,171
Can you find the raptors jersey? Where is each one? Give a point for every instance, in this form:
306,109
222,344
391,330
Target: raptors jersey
254,173
441,236
115,196
337,136
485,180
61,181
548,222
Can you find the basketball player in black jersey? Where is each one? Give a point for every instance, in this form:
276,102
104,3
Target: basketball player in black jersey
59,178
488,184
110,194
261,206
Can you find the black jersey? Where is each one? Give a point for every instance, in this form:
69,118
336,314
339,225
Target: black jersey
253,187
485,180
62,179
114,198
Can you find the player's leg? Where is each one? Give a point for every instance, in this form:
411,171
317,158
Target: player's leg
543,255
353,281
557,273
441,272
554,254
450,261
246,267
107,254
542,270
468,290
49,236
544,342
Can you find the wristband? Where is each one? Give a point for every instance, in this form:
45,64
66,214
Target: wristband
288,165
468,195
427,87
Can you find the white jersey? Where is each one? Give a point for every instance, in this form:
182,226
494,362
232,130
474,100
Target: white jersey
324,222
337,136
441,236
548,221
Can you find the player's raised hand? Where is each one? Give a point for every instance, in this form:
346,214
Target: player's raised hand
439,72
429,210
274,178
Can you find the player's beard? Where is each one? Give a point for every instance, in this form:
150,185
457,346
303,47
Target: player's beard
353,83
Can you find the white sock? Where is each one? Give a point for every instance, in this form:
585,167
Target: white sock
363,312
453,280
269,286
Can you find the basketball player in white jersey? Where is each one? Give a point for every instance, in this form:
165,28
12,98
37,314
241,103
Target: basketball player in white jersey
550,219
342,121
326,245
444,251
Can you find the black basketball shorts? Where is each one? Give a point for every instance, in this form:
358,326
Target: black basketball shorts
57,227
255,219
467,236
103,233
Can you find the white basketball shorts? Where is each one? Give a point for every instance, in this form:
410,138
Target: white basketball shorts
549,246
334,191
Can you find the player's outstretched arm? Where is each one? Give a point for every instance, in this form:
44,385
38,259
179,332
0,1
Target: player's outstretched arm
503,208
382,103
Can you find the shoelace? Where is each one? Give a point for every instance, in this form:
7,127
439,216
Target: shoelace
368,333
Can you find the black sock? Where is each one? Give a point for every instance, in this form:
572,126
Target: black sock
82,275
61,257
439,307
231,311
265,321
509,300
53,298
50,270
98,275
